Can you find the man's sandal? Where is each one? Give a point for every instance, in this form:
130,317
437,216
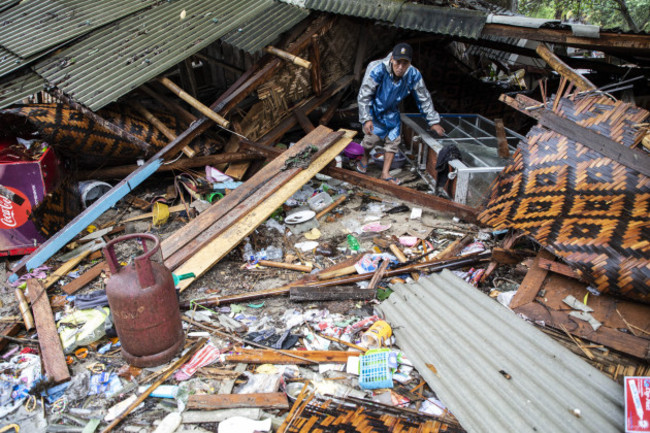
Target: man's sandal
392,180
361,167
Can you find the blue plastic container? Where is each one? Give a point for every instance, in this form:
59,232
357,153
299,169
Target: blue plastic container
375,369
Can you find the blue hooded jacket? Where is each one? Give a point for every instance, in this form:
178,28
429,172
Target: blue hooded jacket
380,95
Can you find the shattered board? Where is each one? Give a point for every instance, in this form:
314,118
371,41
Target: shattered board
588,209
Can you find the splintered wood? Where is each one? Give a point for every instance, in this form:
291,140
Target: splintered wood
310,413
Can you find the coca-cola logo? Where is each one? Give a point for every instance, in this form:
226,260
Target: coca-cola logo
13,215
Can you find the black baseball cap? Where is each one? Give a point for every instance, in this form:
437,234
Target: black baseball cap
403,51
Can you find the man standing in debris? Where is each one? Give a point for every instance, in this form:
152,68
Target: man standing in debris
386,83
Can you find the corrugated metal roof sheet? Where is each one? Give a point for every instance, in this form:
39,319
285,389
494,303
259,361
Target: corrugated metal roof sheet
10,62
120,57
384,10
446,21
15,90
258,33
460,340
5,4
36,25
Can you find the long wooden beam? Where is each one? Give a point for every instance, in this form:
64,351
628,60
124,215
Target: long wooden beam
563,69
48,336
182,164
607,41
407,194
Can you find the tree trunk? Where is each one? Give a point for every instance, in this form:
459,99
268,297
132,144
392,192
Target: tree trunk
626,14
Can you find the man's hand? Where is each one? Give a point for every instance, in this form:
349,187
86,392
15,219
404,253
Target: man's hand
438,129
368,127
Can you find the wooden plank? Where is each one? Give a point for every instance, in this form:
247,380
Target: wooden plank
269,400
244,192
85,278
48,336
64,269
214,251
559,268
336,293
532,282
261,356
403,193
626,343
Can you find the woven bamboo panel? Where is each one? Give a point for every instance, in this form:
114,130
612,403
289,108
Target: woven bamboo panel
588,209
72,134
331,416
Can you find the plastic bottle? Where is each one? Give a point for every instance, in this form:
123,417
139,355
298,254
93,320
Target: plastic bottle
353,243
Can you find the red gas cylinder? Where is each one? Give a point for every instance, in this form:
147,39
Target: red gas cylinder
144,305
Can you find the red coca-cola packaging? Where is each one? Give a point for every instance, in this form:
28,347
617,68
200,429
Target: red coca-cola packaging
27,174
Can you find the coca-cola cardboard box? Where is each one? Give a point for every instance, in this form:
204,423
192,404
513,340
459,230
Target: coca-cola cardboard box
26,176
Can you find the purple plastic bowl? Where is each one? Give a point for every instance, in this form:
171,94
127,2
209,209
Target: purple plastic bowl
353,150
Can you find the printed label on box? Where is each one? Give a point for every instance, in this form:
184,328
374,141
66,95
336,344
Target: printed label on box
637,404
15,208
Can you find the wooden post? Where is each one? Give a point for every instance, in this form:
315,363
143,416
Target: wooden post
161,126
361,52
563,69
331,110
187,75
304,121
206,111
502,141
288,56
316,79
100,120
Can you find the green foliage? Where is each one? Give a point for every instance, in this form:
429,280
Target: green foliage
604,13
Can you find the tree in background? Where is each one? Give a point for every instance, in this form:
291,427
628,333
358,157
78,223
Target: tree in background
627,14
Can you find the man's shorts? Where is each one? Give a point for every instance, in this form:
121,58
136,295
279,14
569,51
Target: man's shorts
370,141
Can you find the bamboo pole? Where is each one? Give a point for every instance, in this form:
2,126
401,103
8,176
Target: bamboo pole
289,266
206,111
337,273
23,306
149,116
563,69
288,56
156,384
